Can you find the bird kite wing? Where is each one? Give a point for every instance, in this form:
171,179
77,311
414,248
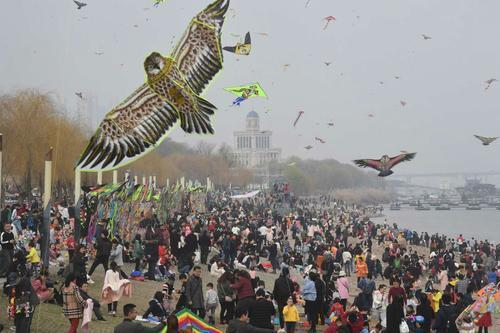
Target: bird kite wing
198,54
368,163
230,49
129,131
248,39
401,158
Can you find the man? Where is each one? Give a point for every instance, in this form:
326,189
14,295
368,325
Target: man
283,289
446,316
346,259
261,311
128,325
194,293
103,247
241,325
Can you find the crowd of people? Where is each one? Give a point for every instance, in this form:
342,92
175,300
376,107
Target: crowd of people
331,262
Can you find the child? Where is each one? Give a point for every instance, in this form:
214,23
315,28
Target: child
211,301
168,288
378,328
290,315
33,259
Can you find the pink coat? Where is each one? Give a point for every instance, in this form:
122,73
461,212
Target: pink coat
343,287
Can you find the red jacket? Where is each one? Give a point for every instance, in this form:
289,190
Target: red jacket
243,287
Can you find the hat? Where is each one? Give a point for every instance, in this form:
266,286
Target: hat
260,293
341,273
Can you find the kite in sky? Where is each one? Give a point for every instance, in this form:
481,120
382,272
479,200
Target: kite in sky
79,4
298,117
308,147
241,49
328,19
486,140
489,82
157,2
285,67
171,94
371,115
385,164
425,37
246,92
319,139
330,123
79,95
265,34
403,103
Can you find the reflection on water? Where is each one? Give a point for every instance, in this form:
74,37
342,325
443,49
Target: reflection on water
480,224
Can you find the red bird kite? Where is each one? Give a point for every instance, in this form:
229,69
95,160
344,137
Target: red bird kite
328,19
385,164
298,117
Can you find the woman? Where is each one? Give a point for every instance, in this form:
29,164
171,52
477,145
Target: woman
442,278
138,251
78,262
116,256
226,298
343,288
113,288
156,307
425,310
395,314
309,294
243,287
25,302
73,303
44,294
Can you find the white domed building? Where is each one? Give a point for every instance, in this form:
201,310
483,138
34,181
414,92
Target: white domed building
253,148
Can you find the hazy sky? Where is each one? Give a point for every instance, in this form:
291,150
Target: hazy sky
51,46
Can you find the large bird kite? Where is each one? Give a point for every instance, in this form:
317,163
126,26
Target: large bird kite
385,164
172,93
486,140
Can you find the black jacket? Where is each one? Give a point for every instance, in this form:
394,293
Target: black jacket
156,309
260,312
103,247
283,289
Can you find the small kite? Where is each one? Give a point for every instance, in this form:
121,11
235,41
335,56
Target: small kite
330,123
170,96
381,82
157,2
371,115
285,67
308,147
241,49
100,53
79,94
265,34
328,19
489,82
319,139
246,92
307,3
327,63
385,164
79,4
425,37
403,103
486,140
298,117
396,77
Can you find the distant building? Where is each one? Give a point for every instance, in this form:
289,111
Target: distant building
253,149
475,190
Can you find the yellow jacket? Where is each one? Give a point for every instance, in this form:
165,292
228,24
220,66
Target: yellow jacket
33,257
290,314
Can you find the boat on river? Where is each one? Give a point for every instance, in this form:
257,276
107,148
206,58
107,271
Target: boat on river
443,207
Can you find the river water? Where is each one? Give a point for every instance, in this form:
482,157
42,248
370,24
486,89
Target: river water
480,224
